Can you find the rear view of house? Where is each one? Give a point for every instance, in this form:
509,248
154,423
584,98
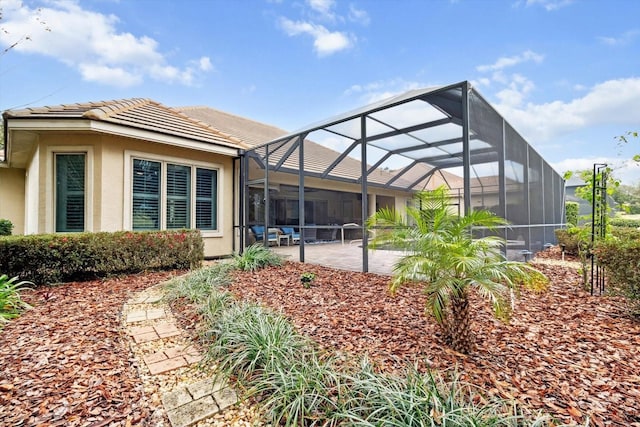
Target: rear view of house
118,165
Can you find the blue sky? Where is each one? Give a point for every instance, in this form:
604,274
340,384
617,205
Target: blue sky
564,73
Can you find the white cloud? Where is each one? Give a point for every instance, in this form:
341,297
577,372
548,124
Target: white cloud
510,61
325,42
549,5
359,15
324,7
204,64
623,39
90,42
319,19
611,102
627,171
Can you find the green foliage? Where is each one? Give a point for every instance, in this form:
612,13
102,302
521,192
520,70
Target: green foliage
6,227
443,254
625,222
571,212
577,241
197,285
621,260
624,139
255,257
425,399
54,258
298,385
628,197
307,278
250,339
625,233
11,304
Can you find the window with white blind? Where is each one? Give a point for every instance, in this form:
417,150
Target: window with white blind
70,171
206,199
167,195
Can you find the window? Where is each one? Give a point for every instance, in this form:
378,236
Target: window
146,195
178,192
70,192
206,196
167,195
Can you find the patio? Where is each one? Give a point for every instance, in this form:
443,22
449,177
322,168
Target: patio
347,256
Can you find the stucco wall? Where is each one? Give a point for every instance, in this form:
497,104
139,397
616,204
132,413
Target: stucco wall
12,185
108,162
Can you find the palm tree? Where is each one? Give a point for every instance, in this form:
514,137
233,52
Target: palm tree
442,253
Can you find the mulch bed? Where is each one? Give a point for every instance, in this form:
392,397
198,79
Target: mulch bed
565,352
67,361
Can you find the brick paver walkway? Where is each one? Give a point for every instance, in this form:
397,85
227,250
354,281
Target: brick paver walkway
149,321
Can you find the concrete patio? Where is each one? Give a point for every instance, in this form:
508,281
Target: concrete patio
347,256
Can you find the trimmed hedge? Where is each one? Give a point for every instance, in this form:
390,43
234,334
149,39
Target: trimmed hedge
569,238
621,260
625,222
54,258
571,213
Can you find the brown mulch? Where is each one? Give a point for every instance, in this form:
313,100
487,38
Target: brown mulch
67,360
565,352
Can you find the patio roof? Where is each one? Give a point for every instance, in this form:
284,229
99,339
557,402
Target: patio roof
412,139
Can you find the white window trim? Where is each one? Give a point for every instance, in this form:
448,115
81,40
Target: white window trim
50,216
128,165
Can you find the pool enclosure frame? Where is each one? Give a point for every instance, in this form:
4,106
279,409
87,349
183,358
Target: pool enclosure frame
414,141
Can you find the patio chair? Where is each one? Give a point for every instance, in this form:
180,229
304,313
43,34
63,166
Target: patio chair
272,235
295,237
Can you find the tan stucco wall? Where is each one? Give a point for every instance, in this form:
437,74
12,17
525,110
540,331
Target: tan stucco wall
107,193
12,184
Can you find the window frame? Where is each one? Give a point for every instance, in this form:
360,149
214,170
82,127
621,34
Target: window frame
50,196
194,165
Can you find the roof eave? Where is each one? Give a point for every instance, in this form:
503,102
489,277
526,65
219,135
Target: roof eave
67,124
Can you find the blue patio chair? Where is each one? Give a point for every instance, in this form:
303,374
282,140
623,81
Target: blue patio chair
258,231
293,235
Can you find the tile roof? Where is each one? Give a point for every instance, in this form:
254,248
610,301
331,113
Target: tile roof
139,113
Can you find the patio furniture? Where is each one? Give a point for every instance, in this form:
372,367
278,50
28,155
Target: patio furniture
272,234
291,233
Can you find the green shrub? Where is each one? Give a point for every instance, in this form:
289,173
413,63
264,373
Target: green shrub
571,213
54,258
11,304
625,222
6,227
255,257
568,237
621,260
625,233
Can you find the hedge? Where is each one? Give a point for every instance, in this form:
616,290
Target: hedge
625,222
621,260
571,213
54,258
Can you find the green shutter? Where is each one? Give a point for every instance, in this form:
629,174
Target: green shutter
70,192
178,196
206,199
146,195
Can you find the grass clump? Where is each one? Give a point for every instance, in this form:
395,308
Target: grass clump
250,339
11,304
197,285
255,257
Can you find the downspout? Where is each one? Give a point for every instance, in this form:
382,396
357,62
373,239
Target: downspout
5,147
